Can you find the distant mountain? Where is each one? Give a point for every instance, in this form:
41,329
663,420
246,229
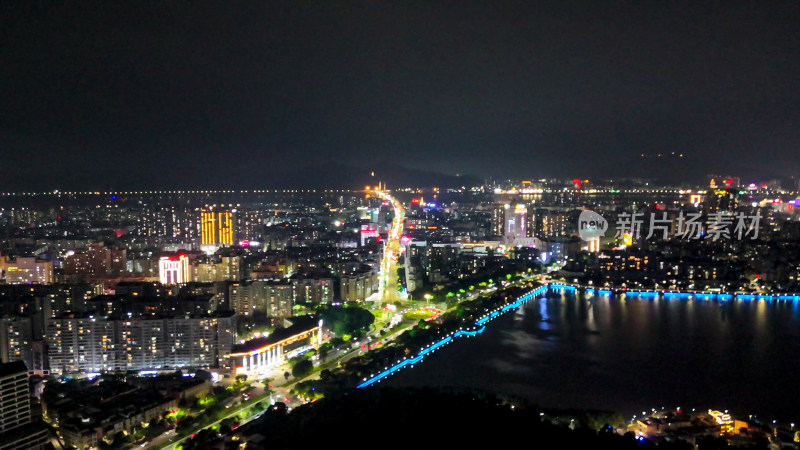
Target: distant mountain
197,176
342,176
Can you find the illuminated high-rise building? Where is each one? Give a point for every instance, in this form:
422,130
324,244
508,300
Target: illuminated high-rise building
498,219
516,221
551,222
87,343
16,337
216,227
96,261
227,268
80,343
511,220
174,269
251,223
20,428
175,221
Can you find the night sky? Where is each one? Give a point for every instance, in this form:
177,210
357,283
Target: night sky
188,94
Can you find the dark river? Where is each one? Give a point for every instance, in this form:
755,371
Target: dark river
631,354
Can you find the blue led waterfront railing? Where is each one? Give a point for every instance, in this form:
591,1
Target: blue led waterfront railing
489,316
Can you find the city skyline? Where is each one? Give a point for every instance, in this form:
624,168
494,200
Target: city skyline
314,293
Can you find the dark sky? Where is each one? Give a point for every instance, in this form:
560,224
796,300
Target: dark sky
121,94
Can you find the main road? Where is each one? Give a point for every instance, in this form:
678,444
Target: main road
388,287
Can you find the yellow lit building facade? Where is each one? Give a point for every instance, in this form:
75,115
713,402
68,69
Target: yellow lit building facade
216,227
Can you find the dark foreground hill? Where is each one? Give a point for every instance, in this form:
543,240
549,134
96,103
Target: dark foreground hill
422,419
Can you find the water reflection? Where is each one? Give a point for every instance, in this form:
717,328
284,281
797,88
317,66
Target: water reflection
569,350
